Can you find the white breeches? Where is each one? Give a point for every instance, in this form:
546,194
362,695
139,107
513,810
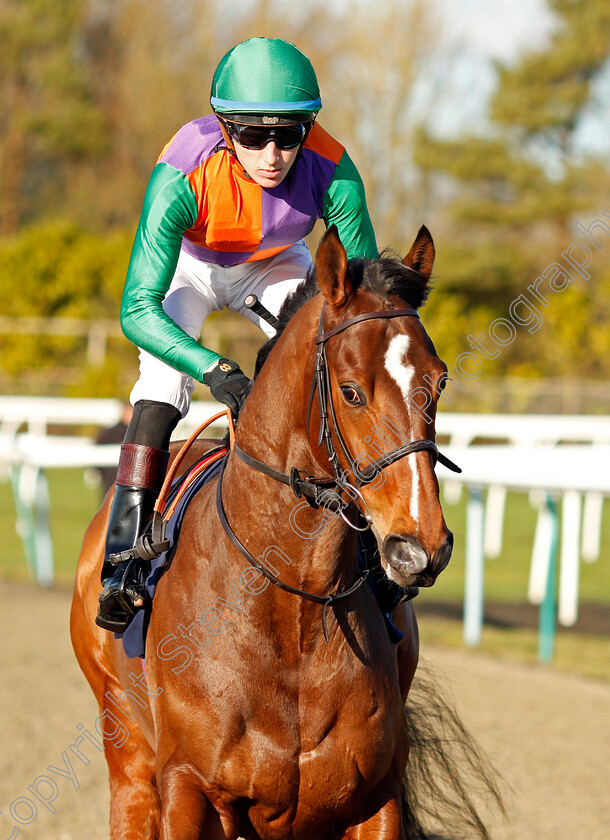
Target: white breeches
200,288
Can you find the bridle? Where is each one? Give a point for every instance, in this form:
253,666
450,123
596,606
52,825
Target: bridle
316,490
321,383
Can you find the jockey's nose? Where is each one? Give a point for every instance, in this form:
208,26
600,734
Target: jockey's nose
270,152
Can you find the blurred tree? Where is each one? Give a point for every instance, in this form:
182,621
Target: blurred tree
378,55
515,195
543,97
49,119
56,270
91,90
153,63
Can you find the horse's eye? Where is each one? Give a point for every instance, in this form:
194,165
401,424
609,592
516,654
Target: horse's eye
351,395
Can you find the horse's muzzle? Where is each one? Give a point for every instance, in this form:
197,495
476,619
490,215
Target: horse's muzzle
409,561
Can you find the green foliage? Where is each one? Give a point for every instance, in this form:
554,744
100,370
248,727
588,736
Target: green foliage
578,322
56,270
50,120
113,379
547,91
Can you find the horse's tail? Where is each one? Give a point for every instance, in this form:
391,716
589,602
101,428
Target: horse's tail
447,775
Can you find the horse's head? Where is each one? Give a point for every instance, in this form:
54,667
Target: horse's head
384,380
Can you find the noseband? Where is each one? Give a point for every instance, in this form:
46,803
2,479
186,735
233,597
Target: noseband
316,490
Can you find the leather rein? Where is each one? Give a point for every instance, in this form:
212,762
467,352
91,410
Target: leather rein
316,490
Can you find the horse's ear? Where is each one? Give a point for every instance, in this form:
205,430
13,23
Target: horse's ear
421,256
334,279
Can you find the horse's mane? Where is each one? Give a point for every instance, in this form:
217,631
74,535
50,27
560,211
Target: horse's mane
387,275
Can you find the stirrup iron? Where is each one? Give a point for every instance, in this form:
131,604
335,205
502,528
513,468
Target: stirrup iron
148,546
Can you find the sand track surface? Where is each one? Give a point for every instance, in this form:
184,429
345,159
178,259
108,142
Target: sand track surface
548,734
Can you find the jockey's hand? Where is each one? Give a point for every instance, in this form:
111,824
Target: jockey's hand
228,384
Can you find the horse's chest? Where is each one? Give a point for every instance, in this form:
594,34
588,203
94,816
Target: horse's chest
326,754
299,745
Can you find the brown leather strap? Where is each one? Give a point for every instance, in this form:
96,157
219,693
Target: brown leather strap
142,466
321,338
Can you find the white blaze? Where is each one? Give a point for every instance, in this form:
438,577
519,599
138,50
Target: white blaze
402,373
395,358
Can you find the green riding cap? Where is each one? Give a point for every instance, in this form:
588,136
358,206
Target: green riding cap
266,76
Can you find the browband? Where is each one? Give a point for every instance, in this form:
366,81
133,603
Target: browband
366,316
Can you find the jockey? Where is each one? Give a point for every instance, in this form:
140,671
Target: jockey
225,214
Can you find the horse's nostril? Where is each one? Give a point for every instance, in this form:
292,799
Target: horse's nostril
405,554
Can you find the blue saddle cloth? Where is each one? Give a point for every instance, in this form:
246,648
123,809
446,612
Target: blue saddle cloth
134,637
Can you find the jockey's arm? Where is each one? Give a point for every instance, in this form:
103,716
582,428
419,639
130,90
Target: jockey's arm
170,208
345,206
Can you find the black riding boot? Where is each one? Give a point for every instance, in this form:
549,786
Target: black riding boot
141,472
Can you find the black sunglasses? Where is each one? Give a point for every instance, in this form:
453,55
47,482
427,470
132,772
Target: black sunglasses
257,136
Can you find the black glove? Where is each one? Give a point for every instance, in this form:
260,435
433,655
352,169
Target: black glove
228,384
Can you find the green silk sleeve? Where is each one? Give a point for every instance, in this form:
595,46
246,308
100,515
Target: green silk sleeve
345,206
170,208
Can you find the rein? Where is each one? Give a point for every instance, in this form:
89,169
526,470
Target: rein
325,600
310,487
314,488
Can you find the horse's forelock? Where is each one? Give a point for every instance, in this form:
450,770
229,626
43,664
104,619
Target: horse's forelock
388,275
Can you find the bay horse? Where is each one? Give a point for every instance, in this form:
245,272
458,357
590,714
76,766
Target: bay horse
265,713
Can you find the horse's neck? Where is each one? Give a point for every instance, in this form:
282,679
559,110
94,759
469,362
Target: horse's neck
309,544
273,423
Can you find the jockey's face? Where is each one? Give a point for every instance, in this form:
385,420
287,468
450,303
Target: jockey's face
267,166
